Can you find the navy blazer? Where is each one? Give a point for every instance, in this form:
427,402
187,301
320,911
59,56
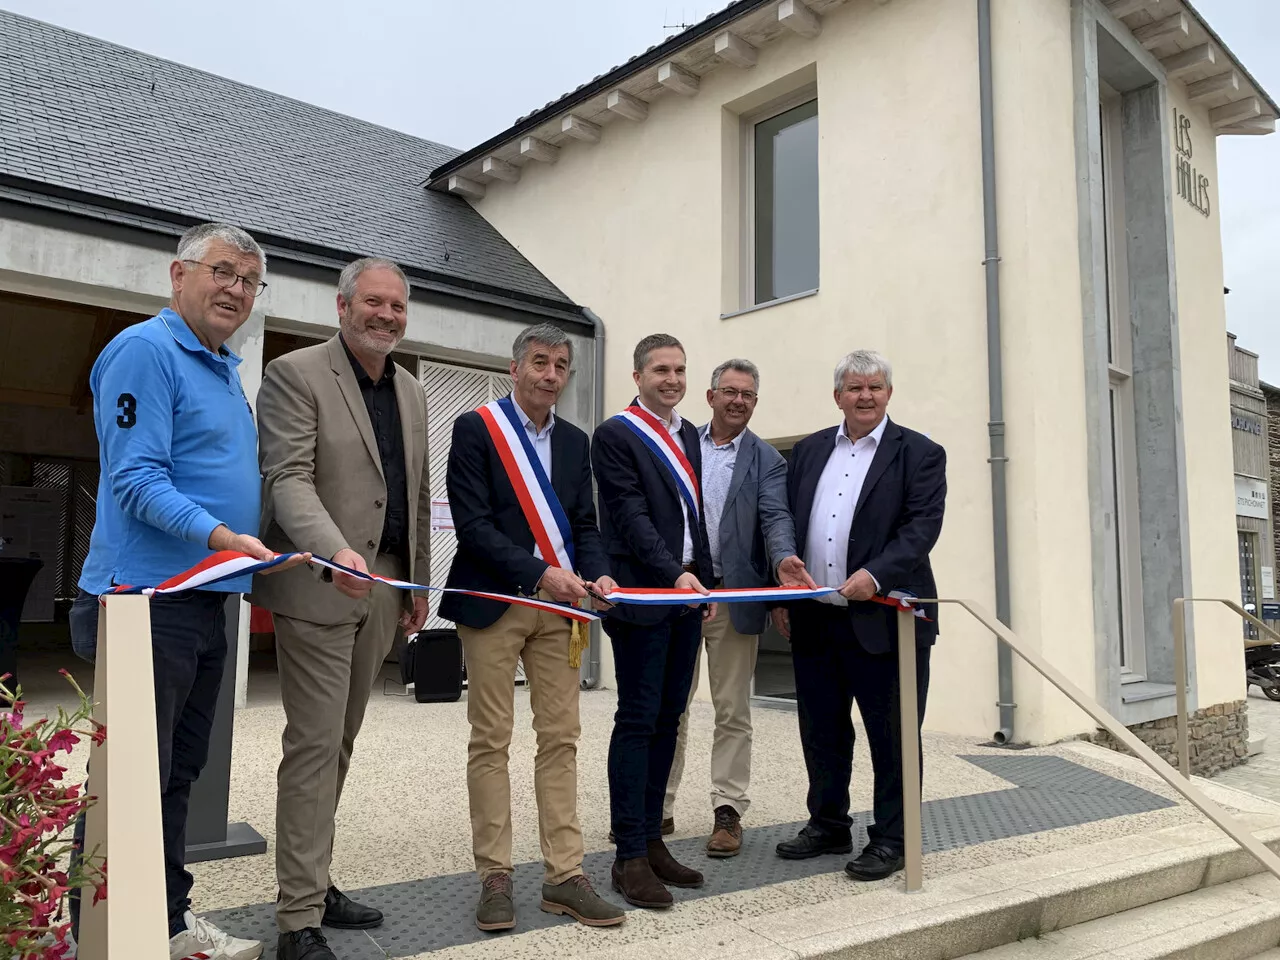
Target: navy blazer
896,522
495,544
642,517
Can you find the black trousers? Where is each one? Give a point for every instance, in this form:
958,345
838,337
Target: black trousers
833,671
189,650
654,669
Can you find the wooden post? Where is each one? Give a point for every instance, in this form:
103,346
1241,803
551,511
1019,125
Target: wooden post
124,825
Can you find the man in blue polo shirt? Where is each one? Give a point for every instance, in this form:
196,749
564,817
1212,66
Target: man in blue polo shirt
179,478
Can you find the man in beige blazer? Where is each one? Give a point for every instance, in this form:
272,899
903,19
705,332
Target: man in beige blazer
343,451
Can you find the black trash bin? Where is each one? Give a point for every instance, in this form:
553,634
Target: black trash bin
432,662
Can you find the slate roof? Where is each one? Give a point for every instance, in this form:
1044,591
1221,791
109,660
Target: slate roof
88,119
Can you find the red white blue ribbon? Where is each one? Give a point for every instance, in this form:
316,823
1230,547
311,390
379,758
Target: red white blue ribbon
552,535
228,564
653,434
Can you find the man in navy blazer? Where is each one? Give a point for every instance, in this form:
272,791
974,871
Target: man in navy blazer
496,554
648,470
868,499
753,544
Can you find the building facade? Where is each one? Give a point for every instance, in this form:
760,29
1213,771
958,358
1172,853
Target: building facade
790,181
1251,455
1271,394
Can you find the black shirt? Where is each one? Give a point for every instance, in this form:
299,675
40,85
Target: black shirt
384,416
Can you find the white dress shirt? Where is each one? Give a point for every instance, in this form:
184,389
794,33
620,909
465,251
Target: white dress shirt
673,428
718,461
834,502
541,439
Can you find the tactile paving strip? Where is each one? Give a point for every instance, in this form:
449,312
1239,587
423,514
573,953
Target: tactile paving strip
438,912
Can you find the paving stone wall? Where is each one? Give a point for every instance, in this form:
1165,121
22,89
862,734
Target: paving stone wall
1219,737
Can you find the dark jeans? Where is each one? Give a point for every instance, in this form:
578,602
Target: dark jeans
832,672
188,649
654,668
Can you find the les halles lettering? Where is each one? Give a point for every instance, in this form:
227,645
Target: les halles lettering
1193,186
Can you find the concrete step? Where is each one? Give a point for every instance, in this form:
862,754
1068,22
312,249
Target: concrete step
1042,904
1229,921
1272,954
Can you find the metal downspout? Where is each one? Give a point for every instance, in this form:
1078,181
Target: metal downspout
995,375
592,680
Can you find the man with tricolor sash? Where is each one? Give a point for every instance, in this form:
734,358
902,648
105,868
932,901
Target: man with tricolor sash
647,466
519,483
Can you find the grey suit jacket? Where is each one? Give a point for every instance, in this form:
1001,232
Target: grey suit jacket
756,529
323,488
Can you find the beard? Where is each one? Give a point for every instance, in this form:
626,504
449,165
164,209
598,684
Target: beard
358,336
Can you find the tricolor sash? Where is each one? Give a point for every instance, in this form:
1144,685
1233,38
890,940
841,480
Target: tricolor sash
653,434
552,535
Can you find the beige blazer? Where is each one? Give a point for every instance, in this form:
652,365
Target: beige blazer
323,488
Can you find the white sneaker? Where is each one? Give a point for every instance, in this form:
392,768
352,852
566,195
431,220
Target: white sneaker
203,941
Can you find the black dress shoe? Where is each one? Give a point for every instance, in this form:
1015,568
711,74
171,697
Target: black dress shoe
308,944
343,913
874,863
812,842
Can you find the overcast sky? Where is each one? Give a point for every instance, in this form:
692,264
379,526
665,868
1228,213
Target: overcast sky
458,72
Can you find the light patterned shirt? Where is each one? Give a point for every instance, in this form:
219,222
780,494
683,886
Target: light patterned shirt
718,461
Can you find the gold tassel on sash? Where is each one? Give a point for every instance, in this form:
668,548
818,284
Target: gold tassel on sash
579,640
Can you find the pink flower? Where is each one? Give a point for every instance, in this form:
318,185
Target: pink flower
63,741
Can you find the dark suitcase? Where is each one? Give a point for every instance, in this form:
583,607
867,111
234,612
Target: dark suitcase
432,661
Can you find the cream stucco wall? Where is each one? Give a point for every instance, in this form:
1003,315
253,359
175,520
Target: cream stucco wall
1206,420
643,227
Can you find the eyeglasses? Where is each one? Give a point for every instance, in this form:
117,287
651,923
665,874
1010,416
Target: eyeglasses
226,278
748,396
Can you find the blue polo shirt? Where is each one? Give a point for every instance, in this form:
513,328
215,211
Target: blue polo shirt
178,449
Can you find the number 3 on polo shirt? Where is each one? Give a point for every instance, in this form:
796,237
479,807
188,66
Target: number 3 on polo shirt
128,408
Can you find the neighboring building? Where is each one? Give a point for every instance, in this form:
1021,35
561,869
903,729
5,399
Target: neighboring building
1251,455
107,155
787,181
1272,396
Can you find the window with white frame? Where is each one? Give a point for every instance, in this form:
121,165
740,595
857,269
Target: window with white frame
782,200
1124,480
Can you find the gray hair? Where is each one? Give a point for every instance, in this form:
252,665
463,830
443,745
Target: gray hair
864,363
654,341
195,242
353,271
547,334
742,366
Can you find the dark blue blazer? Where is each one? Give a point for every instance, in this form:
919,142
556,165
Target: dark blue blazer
495,544
642,517
896,522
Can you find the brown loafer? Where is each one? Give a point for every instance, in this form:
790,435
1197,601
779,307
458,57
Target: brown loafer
669,870
726,837
635,880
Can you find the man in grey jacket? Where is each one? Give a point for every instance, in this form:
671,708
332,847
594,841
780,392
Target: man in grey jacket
753,544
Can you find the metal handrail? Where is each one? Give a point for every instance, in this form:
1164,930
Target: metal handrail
910,726
1180,665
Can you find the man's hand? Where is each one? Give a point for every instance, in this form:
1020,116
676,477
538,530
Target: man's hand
687,581
563,585
781,621
603,586
792,573
412,622
709,611
860,586
353,587
223,539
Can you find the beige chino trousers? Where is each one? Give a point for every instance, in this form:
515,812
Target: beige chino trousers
731,663
542,640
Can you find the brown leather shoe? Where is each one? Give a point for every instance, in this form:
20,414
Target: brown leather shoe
670,871
635,880
726,838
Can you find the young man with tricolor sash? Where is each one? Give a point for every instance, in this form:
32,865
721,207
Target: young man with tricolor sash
519,484
647,466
